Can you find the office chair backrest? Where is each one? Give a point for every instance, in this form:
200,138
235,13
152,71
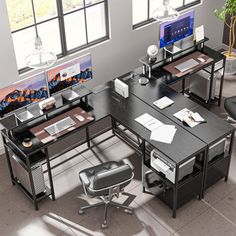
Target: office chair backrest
112,177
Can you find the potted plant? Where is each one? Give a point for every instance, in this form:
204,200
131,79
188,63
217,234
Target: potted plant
228,15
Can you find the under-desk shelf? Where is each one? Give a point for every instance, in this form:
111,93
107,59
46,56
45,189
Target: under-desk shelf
188,188
186,192
200,100
39,196
188,178
34,158
217,170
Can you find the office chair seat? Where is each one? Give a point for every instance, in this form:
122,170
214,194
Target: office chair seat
106,181
230,106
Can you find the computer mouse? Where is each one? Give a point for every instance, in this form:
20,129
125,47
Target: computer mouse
201,59
80,118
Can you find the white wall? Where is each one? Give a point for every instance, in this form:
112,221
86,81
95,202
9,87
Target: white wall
118,55
8,67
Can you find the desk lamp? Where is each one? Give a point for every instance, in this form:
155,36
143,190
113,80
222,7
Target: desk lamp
152,52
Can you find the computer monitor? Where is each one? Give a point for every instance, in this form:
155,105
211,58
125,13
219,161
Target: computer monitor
70,74
23,93
173,31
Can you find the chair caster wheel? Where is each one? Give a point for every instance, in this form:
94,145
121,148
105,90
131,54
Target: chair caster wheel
130,212
104,226
81,212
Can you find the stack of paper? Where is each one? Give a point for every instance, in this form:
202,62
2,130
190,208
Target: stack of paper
163,102
164,134
159,131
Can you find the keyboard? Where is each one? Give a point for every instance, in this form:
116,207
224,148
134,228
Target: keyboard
189,64
60,126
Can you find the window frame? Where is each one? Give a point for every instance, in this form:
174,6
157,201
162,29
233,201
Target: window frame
150,19
60,17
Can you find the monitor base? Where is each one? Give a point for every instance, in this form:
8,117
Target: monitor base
25,115
70,95
172,49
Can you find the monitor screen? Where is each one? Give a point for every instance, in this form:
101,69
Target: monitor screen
176,30
23,93
70,74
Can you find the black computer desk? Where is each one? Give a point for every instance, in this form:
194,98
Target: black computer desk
217,63
106,103
122,112
183,147
210,133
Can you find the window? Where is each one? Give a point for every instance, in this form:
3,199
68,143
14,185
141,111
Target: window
142,9
65,26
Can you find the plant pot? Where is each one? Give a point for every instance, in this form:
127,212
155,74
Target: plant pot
230,65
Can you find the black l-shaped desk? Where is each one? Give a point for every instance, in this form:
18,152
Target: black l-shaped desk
105,102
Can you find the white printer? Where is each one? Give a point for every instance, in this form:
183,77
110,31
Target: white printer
162,164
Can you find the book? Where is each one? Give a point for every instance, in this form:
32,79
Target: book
163,102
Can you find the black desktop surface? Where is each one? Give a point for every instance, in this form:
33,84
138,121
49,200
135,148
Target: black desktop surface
168,77
215,128
209,132
217,56
184,144
155,90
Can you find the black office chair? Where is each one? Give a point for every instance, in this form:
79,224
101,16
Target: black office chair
230,107
106,181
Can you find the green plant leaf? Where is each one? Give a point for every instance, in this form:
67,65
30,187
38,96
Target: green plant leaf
220,14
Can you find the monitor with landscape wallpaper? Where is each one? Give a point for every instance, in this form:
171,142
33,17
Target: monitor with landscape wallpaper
70,74
23,93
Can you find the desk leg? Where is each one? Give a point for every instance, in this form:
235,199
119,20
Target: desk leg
113,123
8,160
87,136
205,163
175,192
50,174
230,154
183,86
175,196
143,150
211,84
86,100
221,82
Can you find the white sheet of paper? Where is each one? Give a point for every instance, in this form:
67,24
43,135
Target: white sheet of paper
144,118
164,133
199,33
148,121
163,102
153,124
